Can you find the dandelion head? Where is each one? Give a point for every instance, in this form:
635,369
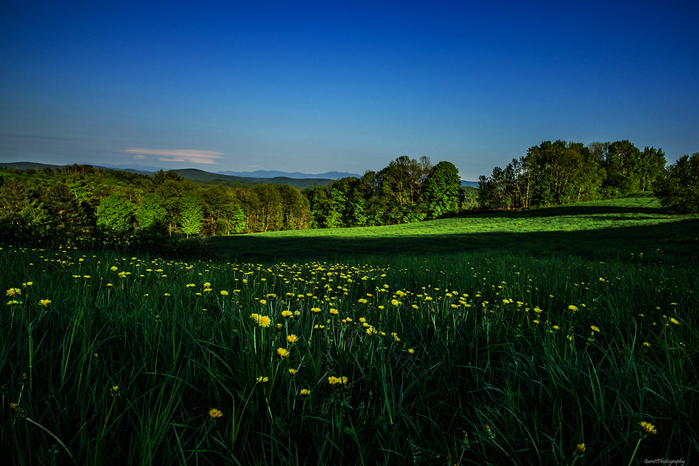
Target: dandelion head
580,449
305,392
282,352
264,321
45,302
648,428
215,413
292,338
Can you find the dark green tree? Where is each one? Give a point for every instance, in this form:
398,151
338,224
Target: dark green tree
191,214
70,221
151,213
115,216
677,187
442,190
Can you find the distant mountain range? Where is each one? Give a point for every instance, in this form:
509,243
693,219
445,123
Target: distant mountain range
295,175
259,176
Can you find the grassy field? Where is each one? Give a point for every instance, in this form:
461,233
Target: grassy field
510,338
592,230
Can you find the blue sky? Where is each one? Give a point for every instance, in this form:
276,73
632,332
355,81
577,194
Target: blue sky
324,86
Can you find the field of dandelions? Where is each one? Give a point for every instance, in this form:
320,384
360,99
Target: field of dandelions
459,359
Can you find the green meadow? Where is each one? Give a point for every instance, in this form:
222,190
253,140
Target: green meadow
565,335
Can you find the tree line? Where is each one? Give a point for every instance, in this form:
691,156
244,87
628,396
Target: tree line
80,204
564,172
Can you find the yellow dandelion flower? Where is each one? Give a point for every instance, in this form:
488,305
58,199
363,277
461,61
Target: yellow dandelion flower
292,371
594,329
572,308
45,302
292,338
282,352
580,449
14,292
362,301
411,351
334,311
215,413
264,321
648,428
262,379
224,293
674,321
315,309
263,301
287,314
207,285
305,392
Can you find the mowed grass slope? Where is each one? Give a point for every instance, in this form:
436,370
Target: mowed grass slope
595,230
557,337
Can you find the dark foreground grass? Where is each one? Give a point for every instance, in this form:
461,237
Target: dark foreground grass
494,356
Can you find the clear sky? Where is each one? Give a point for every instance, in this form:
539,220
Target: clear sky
341,86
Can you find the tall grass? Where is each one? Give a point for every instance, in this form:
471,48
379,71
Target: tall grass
480,358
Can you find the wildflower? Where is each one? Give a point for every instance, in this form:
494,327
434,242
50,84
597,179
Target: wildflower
292,338
190,285
363,301
282,352
395,337
646,344
207,285
14,292
115,390
370,331
572,308
224,293
263,301
45,302
648,428
215,413
674,321
411,351
264,321
580,449
537,310
292,371
287,314
594,329
305,392
262,379
114,268
395,302
315,309
334,311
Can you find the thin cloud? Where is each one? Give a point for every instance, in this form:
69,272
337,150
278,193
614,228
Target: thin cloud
191,156
139,157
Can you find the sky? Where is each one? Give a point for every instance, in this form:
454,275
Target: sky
342,86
